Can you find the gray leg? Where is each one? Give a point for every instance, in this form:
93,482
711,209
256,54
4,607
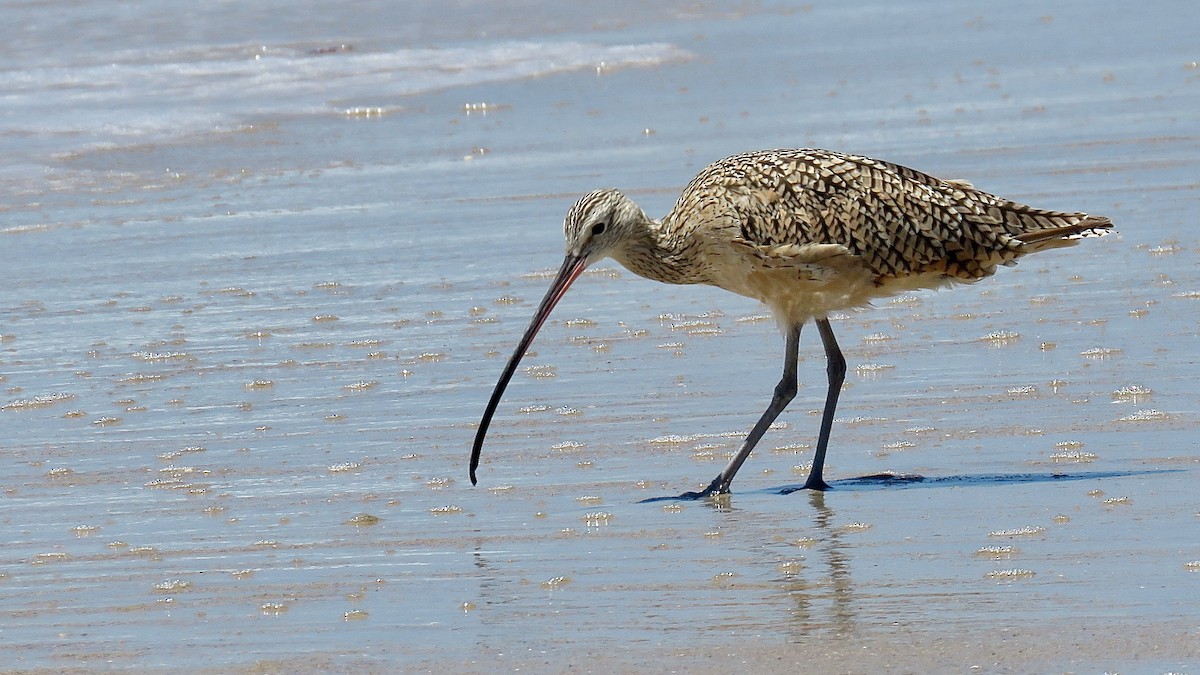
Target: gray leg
785,391
835,368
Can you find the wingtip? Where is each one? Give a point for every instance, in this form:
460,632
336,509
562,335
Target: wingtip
1096,226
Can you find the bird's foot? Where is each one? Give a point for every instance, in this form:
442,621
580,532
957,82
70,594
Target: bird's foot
816,484
707,493
811,484
715,490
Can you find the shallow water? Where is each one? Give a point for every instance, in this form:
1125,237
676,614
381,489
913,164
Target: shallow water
260,282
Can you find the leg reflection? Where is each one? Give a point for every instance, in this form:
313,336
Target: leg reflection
823,600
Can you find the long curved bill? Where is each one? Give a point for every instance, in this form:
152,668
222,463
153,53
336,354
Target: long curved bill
571,268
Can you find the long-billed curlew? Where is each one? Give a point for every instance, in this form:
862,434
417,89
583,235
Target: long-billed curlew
806,232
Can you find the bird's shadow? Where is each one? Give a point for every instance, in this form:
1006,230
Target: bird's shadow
896,481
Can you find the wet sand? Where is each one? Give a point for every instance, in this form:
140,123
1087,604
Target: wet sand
241,370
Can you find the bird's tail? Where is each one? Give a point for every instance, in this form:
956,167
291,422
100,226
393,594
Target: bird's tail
1050,229
1085,226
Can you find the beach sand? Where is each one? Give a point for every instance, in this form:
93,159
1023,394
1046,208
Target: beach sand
264,266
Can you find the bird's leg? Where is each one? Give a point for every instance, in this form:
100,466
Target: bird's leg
785,391
835,368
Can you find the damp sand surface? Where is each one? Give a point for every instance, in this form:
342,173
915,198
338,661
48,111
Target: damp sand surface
261,275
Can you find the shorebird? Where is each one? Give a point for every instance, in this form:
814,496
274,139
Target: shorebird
807,233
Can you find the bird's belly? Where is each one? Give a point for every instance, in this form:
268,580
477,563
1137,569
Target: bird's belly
797,295
800,299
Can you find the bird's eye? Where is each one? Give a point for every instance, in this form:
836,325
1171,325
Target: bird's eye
598,229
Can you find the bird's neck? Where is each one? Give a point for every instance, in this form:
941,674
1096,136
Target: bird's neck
659,254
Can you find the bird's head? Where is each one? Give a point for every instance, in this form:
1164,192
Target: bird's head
600,223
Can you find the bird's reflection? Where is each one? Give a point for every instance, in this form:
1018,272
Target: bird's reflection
833,585
820,593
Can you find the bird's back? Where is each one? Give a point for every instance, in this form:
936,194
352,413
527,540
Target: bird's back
895,221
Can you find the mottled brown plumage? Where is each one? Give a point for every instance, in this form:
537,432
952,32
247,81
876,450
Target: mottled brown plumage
807,232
